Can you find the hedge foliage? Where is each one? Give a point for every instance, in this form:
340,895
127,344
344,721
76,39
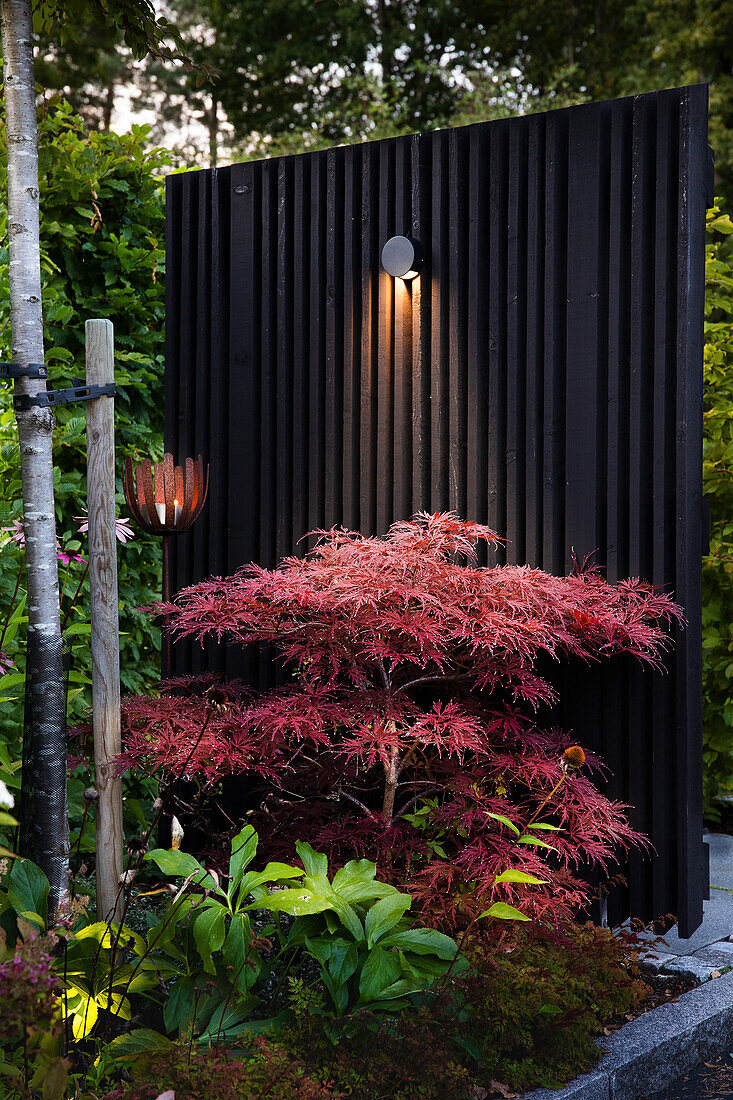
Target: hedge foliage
718,490
102,234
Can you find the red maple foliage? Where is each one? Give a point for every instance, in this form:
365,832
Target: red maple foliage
409,727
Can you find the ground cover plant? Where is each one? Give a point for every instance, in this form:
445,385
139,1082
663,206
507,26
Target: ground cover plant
408,730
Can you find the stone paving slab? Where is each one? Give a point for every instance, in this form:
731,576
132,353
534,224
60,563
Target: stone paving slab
717,921
652,1051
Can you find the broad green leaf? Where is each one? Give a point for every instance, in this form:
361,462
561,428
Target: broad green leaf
77,628
315,863
229,1020
381,970
141,1040
239,955
28,889
348,918
355,872
423,941
273,873
502,911
7,819
208,932
181,864
178,1006
519,876
84,1017
244,849
504,821
385,914
343,961
298,901
106,934
545,825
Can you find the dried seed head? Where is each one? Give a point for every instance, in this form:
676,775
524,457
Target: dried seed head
574,757
157,805
176,833
91,794
136,844
127,877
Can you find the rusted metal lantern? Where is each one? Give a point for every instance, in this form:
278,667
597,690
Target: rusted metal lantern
165,500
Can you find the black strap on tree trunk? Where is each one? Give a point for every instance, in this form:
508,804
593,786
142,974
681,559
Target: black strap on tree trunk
80,391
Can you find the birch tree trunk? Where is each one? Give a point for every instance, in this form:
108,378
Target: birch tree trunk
35,432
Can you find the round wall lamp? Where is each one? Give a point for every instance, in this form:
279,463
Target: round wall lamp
401,257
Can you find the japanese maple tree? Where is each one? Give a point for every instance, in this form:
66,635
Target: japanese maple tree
409,728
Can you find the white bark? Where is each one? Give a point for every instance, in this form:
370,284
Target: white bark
35,431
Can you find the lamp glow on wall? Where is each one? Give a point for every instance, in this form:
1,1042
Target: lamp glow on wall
402,257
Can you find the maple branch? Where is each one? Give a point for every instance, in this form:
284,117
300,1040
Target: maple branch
438,677
350,797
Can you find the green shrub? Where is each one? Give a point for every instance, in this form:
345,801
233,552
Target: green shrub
102,230
718,490
262,1070
526,1015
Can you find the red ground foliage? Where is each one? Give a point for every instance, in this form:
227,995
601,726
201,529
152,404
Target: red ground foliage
413,692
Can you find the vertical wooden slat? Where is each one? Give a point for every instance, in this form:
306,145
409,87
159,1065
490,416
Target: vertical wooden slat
334,325
317,364
402,348
370,280
516,341
555,342
456,271
420,201
534,258
476,318
351,336
385,343
691,862
497,362
439,417
300,347
284,360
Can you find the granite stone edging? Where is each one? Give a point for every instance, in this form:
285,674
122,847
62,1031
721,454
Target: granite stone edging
655,1049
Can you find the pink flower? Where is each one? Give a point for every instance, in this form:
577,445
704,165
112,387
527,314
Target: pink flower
68,558
122,526
5,663
17,532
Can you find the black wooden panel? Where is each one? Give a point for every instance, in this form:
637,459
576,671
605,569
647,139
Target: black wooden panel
544,375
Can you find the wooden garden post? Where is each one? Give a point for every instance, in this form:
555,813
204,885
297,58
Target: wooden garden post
105,640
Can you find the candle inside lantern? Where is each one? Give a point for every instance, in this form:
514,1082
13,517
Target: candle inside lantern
160,509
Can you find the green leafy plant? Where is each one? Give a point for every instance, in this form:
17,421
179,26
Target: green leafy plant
356,928
717,621
215,996
97,966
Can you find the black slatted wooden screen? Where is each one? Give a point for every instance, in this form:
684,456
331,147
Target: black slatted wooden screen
543,375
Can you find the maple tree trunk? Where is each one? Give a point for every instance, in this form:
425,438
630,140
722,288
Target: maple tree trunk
35,434
392,774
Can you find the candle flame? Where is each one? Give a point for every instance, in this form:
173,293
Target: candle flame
175,502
